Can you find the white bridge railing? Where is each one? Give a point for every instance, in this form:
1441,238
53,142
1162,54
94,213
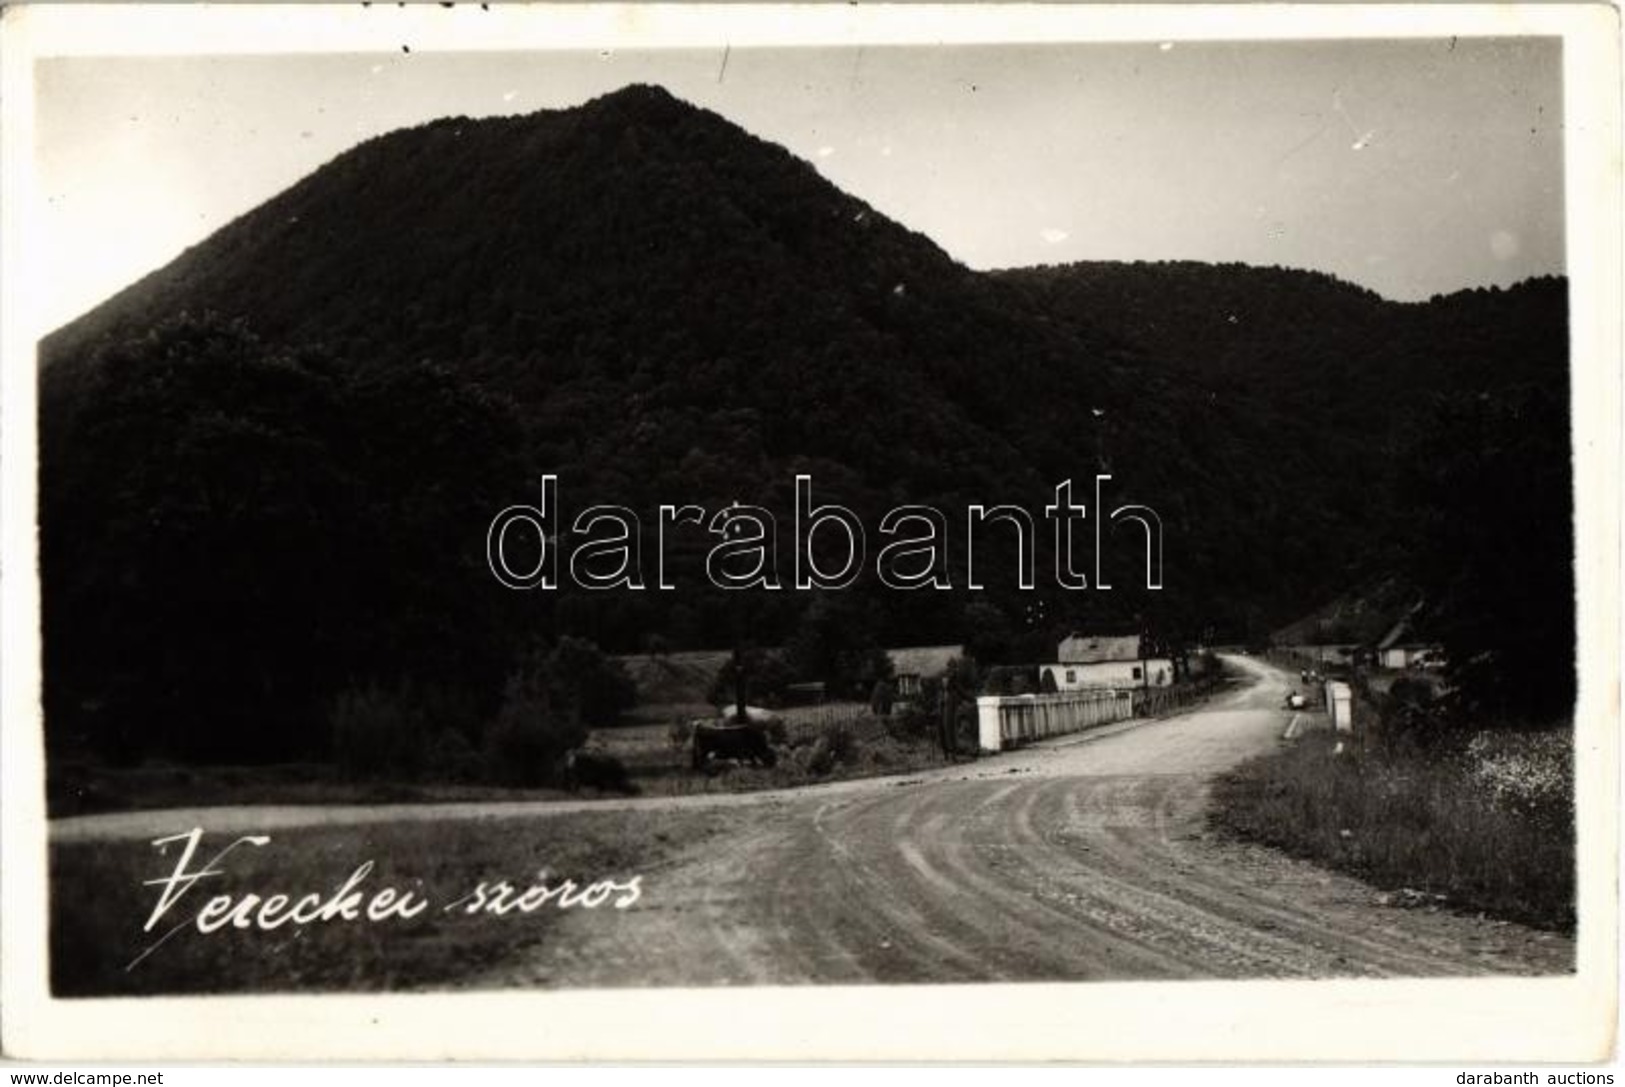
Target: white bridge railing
1007,721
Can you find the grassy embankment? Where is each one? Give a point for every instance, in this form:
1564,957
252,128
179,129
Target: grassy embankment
1483,824
100,903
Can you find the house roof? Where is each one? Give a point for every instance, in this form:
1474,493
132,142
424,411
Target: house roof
1394,634
1403,634
1358,617
923,660
1093,648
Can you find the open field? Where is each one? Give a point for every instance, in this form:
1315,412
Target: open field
672,679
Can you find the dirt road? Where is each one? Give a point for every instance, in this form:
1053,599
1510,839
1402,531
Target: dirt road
1083,858
1086,859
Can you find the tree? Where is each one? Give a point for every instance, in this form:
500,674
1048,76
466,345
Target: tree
1488,488
988,635
766,677
437,455
200,549
597,685
535,727
836,642
961,683
881,698
234,531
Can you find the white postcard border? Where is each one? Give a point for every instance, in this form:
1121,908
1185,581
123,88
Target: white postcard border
1500,1019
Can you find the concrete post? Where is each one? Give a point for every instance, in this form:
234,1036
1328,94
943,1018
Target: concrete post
1340,704
987,723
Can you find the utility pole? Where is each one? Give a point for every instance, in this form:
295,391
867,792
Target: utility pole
740,678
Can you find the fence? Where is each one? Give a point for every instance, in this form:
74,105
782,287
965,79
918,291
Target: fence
1158,701
1006,721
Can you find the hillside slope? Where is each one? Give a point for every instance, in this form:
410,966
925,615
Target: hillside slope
272,463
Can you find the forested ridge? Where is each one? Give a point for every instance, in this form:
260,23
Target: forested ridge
268,468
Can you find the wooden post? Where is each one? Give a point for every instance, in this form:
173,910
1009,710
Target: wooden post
739,682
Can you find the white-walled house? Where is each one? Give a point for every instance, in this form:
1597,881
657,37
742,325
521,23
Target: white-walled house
1400,648
1087,660
911,667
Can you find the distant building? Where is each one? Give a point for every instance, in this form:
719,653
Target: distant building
1088,660
1401,648
912,667
804,694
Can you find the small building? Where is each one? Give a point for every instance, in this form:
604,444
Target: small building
1401,648
912,667
1088,660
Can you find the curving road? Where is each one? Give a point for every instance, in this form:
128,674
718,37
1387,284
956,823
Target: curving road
1086,858
1081,858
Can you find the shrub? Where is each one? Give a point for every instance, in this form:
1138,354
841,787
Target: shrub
837,745
680,732
1010,679
453,758
766,678
923,717
967,739
822,759
881,698
911,722
533,729
778,733
843,741
1527,773
380,732
599,771
600,686
963,677
1411,715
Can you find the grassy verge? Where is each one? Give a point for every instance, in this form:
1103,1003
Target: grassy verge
1481,825
99,903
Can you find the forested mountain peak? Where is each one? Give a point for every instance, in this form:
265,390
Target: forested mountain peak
633,188
642,101
643,299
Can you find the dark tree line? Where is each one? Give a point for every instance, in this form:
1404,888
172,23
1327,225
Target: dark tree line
1488,487
233,532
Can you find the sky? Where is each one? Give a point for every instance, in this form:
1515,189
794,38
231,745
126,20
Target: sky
1412,167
